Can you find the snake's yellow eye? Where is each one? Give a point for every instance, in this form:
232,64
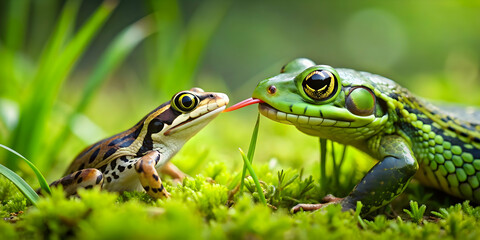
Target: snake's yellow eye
320,85
184,102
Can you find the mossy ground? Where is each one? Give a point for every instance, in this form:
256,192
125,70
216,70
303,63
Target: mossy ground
207,205
204,207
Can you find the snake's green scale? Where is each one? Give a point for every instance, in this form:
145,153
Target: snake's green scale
408,135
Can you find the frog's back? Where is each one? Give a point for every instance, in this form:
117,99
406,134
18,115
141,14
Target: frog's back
103,152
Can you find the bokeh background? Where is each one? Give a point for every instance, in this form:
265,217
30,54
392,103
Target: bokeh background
53,105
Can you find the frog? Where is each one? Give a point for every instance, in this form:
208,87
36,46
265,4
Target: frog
408,135
132,160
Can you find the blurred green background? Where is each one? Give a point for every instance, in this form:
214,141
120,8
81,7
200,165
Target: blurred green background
73,72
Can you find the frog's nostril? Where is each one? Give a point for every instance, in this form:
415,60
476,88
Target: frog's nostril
211,96
272,89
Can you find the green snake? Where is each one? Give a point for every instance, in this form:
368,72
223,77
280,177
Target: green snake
407,135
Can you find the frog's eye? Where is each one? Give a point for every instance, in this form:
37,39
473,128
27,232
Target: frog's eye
320,85
360,101
184,102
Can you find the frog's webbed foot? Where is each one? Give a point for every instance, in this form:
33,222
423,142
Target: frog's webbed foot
86,178
328,200
173,171
149,177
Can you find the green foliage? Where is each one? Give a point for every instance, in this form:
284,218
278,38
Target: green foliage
202,208
202,195
23,186
20,183
323,163
57,61
175,53
334,180
10,200
205,205
251,152
416,213
254,178
121,46
34,93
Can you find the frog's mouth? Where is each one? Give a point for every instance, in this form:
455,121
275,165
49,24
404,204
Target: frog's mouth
195,120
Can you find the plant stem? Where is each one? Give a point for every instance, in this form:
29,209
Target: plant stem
323,163
251,151
246,161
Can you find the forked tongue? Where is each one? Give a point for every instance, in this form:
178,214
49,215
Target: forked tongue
243,103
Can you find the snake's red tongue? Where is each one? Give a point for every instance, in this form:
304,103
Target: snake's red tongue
243,103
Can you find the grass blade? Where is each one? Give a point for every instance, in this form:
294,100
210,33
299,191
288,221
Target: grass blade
178,50
23,186
200,30
122,45
41,180
16,23
323,164
21,141
246,161
58,38
336,168
251,150
357,214
47,83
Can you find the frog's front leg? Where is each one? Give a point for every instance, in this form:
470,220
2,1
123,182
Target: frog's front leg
385,181
148,175
173,171
86,178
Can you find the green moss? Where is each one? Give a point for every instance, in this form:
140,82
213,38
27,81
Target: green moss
202,207
208,206
11,201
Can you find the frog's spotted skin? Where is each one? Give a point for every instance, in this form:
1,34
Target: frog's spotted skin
86,178
131,160
384,120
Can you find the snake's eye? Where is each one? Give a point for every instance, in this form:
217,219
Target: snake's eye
360,101
320,85
184,102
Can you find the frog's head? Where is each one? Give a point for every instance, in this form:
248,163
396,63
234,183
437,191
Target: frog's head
322,101
173,123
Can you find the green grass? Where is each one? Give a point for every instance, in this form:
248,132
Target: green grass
63,50
34,119
204,206
207,205
174,54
